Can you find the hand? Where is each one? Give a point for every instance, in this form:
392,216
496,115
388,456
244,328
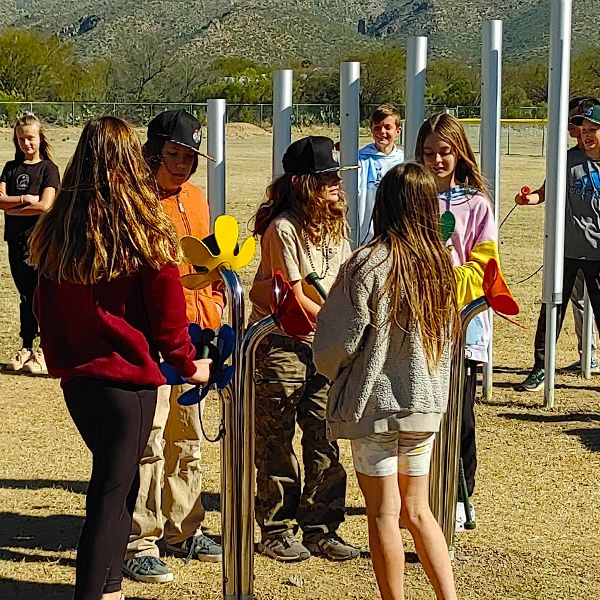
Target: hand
202,374
30,199
521,200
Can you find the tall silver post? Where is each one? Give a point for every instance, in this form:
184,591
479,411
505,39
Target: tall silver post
282,116
237,559
349,129
215,170
416,71
491,108
556,173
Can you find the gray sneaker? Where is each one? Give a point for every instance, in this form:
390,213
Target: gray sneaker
333,547
149,569
533,382
283,547
198,546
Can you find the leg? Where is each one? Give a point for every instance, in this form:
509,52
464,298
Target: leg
591,273
428,536
25,278
577,297
468,449
115,424
148,520
182,505
375,460
382,500
280,382
323,503
571,267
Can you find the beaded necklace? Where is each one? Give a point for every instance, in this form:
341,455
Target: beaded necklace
324,255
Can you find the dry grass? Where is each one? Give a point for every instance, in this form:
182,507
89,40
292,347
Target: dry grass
538,488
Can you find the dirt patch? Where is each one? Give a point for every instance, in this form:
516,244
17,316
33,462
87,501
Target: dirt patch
240,131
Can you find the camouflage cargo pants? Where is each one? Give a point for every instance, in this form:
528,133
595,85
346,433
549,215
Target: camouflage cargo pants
289,390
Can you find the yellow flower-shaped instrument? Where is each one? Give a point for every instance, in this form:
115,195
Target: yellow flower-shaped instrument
220,249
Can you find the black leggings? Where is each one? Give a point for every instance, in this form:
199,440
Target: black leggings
114,421
25,278
468,448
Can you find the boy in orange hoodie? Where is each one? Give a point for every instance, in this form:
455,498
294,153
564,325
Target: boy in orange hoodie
169,505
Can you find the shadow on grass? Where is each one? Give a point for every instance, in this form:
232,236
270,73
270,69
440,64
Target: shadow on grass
24,557
55,532
572,417
590,438
31,590
77,487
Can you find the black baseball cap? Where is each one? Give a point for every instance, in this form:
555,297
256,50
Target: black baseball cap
591,114
312,155
179,127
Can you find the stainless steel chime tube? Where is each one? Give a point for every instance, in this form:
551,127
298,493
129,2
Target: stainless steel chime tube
443,478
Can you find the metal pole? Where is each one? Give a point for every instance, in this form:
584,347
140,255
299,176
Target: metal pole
349,129
236,557
587,334
215,170
556,174
416,71
282,116
491,107
443,478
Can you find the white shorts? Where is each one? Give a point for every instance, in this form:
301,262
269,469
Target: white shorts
404,452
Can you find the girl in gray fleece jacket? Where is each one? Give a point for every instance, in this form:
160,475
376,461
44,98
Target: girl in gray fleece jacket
383,337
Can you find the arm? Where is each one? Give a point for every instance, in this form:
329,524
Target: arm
165,307
341,326
469,276
34,205
10,202
310,306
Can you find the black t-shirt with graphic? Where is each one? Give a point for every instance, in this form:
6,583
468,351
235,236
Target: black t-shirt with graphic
582,223
22,178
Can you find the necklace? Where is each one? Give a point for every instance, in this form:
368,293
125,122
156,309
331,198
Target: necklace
324,255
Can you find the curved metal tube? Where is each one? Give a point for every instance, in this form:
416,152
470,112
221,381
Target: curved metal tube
443,478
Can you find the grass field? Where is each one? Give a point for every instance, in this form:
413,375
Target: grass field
538,486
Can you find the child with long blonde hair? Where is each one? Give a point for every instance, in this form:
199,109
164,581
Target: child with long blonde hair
384,338
28,185
109,300
302,228
471,236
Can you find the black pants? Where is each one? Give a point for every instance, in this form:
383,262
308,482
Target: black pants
590,270
25,278
114,421
468,449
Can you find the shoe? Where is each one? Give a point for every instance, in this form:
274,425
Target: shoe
533,382
36,364
21,357
333,547
576,366
283,547
198,546
149,569
461,517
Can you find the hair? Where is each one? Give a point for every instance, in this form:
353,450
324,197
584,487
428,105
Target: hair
578,101
421,282
28,119
152,151
383,111
106,221
451,131
305,197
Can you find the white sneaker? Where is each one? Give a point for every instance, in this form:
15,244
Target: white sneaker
36,363
461,515
21,357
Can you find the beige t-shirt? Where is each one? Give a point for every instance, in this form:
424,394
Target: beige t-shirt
282,246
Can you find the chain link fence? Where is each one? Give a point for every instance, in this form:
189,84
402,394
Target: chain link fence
526,135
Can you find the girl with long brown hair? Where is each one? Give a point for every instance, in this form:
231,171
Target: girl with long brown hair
302,229
384,339
109,299
471,237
